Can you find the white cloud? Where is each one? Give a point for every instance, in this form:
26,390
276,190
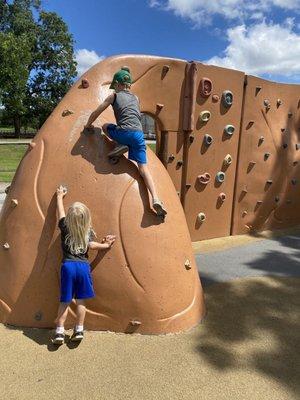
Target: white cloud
262,49
202,11
86,59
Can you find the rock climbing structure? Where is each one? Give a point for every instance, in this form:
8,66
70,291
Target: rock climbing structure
230,144
148,282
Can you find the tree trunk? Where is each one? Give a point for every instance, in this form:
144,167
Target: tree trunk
17,124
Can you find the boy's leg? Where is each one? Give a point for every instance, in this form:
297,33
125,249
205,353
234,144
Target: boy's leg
111,132
156,203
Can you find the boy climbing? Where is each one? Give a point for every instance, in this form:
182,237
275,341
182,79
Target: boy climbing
128,132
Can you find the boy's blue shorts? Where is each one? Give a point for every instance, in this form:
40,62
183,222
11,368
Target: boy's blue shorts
133,139
76,281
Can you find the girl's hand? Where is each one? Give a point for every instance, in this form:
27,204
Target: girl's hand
61,191
109,239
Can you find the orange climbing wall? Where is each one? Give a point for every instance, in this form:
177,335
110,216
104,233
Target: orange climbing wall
146,283
202,158
268,175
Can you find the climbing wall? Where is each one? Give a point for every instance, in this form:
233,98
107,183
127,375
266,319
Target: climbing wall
146,283
213,151
268,175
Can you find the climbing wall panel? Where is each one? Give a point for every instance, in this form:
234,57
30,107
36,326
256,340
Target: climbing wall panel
212,153
268,176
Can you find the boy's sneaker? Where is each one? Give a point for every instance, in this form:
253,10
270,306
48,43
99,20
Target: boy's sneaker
118,151
159,208
77,336
58,339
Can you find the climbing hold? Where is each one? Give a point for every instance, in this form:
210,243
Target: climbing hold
250,123
38,316
204,178
244,190
31,145
187,264
252,163
227,98
159,107
14,202
294,181
284,145
297,146
290,114
208,139
188,185
229,130
282,130
222,197
205,116
6,246
295,163
277,199
244,213
259,202
201,217
85,83
279,102
67,112
171,158
257,89
267,104
205,87
179,163
215,98
267,155
261,140
191,138
227,159
7,189
269,182
135,322
165,70
220,177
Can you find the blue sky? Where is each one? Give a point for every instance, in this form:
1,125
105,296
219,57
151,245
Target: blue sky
260,37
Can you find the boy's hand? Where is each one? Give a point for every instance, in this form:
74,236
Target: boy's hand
61,191
89,128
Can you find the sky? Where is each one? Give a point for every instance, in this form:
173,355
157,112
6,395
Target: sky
259,37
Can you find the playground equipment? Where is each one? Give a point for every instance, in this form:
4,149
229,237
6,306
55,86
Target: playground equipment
148,282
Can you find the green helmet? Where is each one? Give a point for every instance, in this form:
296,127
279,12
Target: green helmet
121,76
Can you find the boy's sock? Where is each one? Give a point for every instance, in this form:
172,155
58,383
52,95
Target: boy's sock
79,328
60,329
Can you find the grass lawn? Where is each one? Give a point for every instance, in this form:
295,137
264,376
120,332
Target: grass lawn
10,157
152,146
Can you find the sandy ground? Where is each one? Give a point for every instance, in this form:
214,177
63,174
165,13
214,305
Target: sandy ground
247,348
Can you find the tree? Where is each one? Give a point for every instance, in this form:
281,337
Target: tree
37,66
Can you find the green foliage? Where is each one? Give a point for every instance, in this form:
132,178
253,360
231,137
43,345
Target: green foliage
37,66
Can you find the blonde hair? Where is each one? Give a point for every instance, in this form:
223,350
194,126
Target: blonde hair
79,223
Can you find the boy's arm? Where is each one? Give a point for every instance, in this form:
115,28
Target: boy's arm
60,193
103,106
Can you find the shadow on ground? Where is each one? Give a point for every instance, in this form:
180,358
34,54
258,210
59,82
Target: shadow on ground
253,324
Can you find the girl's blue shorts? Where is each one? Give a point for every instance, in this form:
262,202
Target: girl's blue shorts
133,139
76,281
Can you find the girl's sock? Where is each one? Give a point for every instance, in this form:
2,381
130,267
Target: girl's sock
79,328
60,329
